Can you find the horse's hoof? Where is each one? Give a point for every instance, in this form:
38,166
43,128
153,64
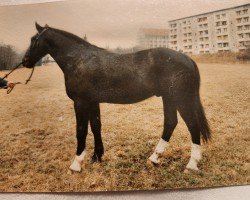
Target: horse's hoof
154,159
192,167
75,166
150,163
189,170
95,159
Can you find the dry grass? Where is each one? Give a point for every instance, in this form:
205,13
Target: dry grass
223,57
37,138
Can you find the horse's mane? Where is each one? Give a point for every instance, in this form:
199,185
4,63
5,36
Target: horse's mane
75,38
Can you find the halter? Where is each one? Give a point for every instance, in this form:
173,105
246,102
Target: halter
39,35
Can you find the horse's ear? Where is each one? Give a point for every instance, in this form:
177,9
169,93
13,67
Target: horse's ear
38,27
46,26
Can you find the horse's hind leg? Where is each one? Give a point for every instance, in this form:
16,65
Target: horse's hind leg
188,113
170,122
95,123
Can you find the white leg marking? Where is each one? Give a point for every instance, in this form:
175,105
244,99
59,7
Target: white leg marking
160,148
195,157
76,165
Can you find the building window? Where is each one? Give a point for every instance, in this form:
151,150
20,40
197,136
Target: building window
202,19
246,19
224,23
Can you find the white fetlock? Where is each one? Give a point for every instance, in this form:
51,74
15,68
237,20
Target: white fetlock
160,148
195,157
76,165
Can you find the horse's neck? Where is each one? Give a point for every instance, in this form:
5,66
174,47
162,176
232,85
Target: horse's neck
66,53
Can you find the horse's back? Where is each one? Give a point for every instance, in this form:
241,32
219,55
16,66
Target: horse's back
177,74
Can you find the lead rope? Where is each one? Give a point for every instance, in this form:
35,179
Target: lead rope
26,82
31,74
6,75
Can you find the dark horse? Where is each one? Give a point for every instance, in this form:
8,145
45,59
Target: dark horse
94,75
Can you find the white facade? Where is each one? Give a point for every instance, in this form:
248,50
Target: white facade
222,30
152,38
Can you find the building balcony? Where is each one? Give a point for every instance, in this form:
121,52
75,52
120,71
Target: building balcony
204,49
186,31
221,26
172,34
222,33
243,39
204,35
243,23
243,31
187,37
242,47
203,42
242,15
202,28
224,48
222,41
187,43
173,40
221,19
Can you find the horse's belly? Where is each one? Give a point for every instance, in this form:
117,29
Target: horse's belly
124,97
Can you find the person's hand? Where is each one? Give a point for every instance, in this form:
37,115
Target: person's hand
11,85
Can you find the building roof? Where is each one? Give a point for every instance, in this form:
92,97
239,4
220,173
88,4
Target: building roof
210,12
154,31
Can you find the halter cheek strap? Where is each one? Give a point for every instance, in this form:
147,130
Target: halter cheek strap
39,35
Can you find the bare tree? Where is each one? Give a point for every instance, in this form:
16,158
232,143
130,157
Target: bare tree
8,57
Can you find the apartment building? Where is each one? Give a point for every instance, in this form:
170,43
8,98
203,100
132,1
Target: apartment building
217,31
152,38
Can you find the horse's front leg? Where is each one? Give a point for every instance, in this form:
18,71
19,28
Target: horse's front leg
95,123
82,118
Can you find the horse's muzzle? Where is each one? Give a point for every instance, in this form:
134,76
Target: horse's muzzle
26,62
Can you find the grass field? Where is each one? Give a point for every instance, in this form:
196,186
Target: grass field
37,137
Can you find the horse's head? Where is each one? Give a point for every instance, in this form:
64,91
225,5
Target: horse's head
38,47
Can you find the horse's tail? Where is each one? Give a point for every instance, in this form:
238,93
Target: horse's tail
202,120
200,114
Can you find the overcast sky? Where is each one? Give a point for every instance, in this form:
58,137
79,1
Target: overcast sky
110,23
